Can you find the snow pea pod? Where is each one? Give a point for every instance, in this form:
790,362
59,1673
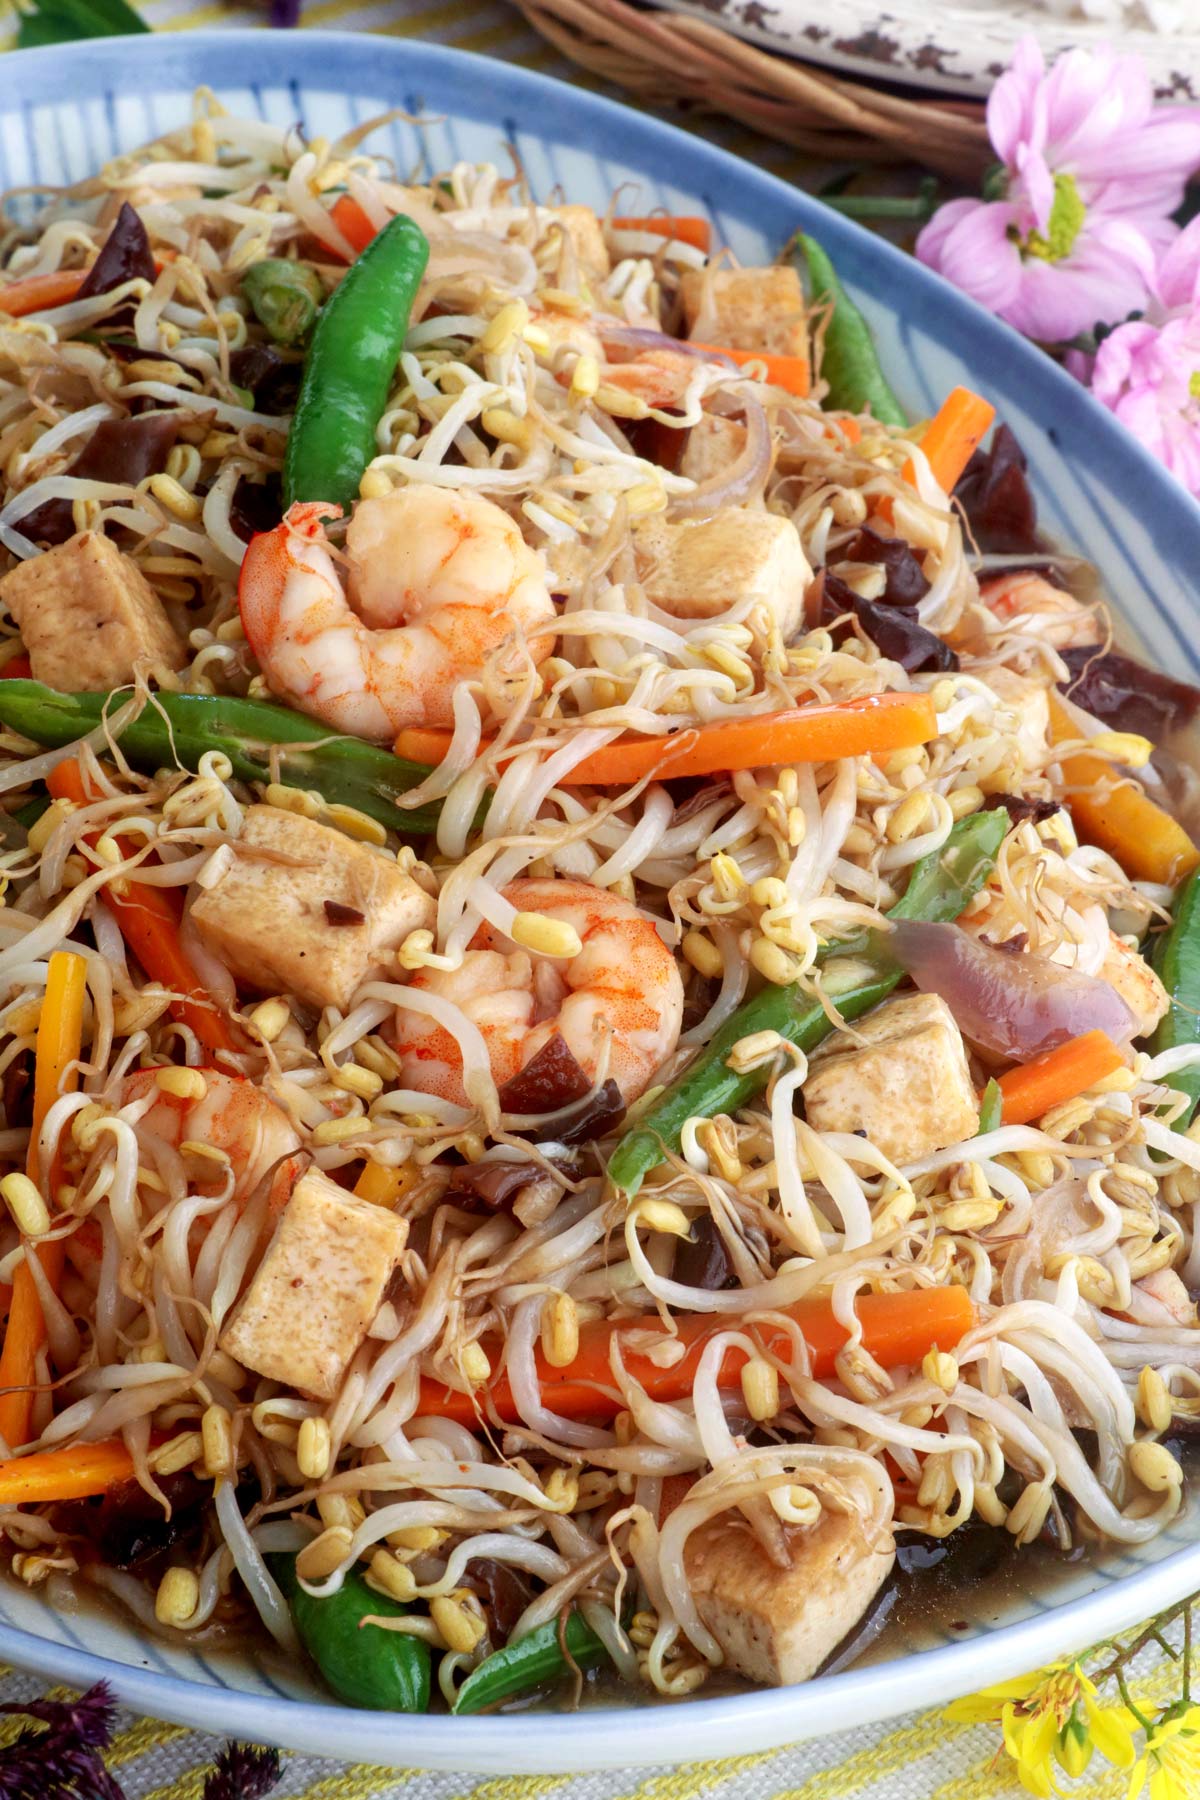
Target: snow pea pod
940,886
1177,959
849,363
363,1665
531,1662
348,371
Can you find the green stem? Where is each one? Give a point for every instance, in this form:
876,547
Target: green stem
918,207
1187,1655
1129,1701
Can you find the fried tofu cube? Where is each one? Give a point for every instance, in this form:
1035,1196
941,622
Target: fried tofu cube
777,1626
89,617
697,569
586,237
304,909
748,309
900,1075
713,443
317,1289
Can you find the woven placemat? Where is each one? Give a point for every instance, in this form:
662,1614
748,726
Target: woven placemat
698,65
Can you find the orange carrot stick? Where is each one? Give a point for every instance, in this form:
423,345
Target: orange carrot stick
1114,812
952,436
1032,1088
352,221
73,1473
682,227
149,921
789,372
897,1328
36,293
59,1039
814,734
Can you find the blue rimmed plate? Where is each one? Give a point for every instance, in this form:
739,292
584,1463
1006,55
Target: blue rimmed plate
65,111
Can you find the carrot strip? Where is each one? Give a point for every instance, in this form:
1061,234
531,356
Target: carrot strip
59,1039
897,1328
789,372
813,734
1032,1088
1114,812
352,221
149,921
952,436
36,293
682,227
73,1473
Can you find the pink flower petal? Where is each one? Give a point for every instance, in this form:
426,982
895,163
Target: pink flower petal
967,241
1011,101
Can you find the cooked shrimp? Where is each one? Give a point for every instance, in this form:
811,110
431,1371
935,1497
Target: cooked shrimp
617,1003
1029,603
437,583
232,1115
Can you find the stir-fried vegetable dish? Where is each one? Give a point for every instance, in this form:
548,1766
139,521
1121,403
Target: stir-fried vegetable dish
599,951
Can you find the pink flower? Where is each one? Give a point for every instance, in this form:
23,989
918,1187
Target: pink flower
1149,376
1051,284
1092,117
1091,169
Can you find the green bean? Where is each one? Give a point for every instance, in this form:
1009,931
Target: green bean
263,742
285,297
531,1662
849,363
364,1665
350,365
1177,959
858,975
991,1108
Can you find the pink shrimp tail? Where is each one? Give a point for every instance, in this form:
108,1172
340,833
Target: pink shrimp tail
306,518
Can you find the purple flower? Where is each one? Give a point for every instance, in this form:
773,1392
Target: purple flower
1149,376
1090,171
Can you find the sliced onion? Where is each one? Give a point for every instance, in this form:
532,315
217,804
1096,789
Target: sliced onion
1009,1002
636,339
746,475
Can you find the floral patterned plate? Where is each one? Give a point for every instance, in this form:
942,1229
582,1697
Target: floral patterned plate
960,46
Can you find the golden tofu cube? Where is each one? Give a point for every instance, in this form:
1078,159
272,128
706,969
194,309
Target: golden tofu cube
89,617
900,1075
304,909
777,1626
697,569
748,309
713,443
317,1289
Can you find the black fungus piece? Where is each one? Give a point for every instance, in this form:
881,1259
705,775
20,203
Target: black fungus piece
1126,694
896,631
906,580
123,451
995,495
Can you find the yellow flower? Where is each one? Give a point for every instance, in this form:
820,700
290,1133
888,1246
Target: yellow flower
1052,1716
1170,1763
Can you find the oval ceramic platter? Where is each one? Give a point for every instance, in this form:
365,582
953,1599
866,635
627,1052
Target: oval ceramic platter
1096,490
960,46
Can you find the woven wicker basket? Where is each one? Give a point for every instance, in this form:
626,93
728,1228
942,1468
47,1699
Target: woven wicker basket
661,56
